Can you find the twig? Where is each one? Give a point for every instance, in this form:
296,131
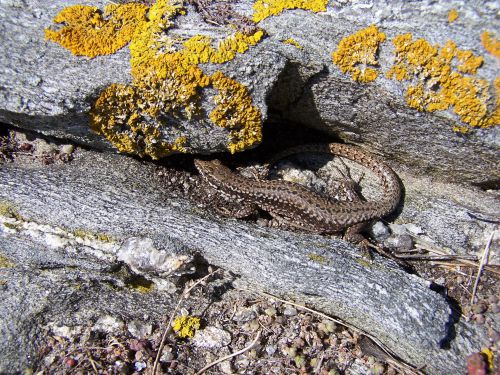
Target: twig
171,319
252,344
484,259
92,363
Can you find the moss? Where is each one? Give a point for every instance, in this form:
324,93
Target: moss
140,283
267,8
186,325
8,210
6,262
355,52
235,111
317,258
444,77
452,15
89,32
293,42
491,44
87,235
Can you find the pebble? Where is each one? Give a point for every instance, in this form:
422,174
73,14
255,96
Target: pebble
379,231
108,324
244,315
212,337
479,318
271,311
493,299
140,365
67,149
139,329
270,350
495,308
400,242
479,308
290,311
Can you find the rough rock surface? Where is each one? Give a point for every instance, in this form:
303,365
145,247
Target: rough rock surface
89,217
47,89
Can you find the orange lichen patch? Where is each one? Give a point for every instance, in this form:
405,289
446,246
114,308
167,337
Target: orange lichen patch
491,44
441,82
267,8
120,115
167,81
452,15
198,49
293,42
359,49
89,32
235,111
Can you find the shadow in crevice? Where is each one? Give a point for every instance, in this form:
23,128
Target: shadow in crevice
453,318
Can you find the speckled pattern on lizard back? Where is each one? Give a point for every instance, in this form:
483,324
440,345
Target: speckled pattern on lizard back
299,207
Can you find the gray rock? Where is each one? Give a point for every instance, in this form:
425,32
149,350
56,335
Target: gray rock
212,337
84,197
47,89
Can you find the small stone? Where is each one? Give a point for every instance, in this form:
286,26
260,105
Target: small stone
270,311
379,231
167,354
290,311
479,318
300,360
377,368
493,299
479,308
270,350
440,281
108,324
139,329
495,308
67,149
139,366
212,337
70,362
244,315
399,242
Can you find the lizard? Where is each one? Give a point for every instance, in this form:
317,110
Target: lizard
295,205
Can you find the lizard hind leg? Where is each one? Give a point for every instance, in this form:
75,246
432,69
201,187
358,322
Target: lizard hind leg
238,210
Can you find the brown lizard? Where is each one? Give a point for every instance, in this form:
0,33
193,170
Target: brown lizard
297,206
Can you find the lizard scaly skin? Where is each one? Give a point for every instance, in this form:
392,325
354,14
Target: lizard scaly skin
296,205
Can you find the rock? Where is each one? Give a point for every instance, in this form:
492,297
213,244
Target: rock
298,67
212,337
139,329
290,311
109,324
380,297
244,315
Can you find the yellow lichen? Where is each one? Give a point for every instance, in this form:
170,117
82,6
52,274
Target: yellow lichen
89,32
491,44
267,8
236,112
452,15
444,77
6,262
167,82
293,42
198,49
186,325
355,52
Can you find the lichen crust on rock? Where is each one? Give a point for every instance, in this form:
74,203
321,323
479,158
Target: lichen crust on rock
142,118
